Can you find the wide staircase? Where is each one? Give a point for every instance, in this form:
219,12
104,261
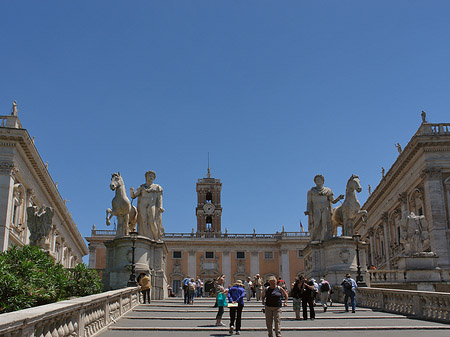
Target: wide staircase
173,318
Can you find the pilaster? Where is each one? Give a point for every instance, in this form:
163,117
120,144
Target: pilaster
226,267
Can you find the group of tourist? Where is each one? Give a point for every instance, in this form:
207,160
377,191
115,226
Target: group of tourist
192,288
274,296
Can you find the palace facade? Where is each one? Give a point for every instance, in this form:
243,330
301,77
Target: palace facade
25,184
409,214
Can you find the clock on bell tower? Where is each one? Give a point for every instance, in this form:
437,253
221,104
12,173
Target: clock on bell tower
209,210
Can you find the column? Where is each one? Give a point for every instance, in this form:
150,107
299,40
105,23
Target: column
372,246
7,170
254,263
285,272
435,214
192,264
387,241
226,267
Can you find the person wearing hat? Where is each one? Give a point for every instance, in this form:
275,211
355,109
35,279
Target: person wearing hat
236,294
272,298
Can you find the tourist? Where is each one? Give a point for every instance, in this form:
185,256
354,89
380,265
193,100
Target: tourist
185,284
221,299
199,287
145,284
307,294
248,288
324,293
258,284
348,287
236,296
191,291
296,298
272,300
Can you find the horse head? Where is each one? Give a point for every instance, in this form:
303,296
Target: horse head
354,183
116,181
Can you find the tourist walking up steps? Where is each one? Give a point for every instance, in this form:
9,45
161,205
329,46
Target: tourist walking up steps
191,291
185,284
272,297
248,288
348,287
324,293
236,296
221,299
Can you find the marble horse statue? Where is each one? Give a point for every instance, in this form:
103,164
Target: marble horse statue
345,215
121,208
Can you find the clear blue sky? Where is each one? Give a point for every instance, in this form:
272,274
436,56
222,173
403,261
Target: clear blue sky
276,91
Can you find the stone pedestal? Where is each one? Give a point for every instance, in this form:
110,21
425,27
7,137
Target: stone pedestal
334,258
420,267
150,257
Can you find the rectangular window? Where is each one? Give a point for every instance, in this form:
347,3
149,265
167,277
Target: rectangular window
209,255
176,286
300,253
176,254
268,255
240,255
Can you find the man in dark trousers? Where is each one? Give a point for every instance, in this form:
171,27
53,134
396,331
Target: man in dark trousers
307,295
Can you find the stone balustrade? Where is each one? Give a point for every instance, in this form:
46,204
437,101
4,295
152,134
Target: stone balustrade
212,235
81,317
430,306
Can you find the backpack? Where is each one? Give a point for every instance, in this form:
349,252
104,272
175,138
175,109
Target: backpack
191,286
324,287
347,284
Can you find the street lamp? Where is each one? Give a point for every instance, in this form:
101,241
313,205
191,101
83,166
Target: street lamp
132,281
359,278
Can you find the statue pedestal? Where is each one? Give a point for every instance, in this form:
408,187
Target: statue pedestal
150,257
420,267
334,258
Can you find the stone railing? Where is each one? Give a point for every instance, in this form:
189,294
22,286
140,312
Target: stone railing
81,317
103,232
382,276
434,129
213,235
431,306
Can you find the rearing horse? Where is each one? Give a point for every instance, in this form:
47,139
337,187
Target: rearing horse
346,214
121,207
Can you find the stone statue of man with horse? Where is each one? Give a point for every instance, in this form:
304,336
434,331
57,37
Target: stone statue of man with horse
323,220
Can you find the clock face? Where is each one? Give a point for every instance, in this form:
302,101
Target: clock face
209,208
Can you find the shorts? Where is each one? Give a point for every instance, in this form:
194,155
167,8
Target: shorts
296,303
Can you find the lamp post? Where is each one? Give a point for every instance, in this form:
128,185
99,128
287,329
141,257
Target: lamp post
132,281
359,278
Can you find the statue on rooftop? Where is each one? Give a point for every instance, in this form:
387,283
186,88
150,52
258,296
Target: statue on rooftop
424,116
319,210
150,207
399,148
14,109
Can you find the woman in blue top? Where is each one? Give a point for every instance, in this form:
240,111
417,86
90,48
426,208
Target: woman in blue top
272,299
236,294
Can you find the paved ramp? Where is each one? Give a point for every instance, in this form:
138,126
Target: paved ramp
173,318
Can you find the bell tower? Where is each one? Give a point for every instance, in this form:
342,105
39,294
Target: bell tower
209,210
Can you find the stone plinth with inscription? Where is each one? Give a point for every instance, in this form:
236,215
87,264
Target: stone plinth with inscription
334,258
150,257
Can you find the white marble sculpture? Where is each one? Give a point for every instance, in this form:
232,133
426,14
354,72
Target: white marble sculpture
415,235
121,207
345,215
319,210
39,222
149,207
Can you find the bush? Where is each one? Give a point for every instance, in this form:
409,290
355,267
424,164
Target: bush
84,281
30,277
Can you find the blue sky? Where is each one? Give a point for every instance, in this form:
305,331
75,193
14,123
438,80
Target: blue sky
275,91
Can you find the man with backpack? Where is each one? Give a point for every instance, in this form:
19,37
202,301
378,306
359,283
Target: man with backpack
324,293
348,287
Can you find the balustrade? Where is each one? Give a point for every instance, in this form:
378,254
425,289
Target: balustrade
431,306
81,317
